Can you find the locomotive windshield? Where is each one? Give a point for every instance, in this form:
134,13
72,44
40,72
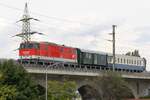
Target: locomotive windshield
29,45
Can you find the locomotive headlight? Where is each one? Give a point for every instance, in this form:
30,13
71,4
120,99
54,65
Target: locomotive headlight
73,56
26,52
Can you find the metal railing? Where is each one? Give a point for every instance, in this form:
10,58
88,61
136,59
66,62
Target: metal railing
75,68
80,69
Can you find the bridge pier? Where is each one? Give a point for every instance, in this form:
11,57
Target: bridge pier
139,88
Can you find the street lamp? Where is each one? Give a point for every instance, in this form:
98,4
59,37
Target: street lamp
46,76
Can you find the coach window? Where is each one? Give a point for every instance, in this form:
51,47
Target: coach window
130,61
124,61
95,59
109,59
87,55
90,56
118,60
140,62
121,60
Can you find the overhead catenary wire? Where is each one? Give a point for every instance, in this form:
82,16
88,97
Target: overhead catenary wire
47,25
51,17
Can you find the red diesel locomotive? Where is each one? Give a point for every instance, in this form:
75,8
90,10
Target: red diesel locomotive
47,51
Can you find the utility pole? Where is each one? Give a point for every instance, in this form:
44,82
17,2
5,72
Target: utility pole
113,46
113,35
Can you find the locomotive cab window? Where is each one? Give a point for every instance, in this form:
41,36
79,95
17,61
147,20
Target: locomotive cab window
29,45
22,46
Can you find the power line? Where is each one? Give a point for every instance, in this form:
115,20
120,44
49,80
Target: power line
4,5
59,19
56,18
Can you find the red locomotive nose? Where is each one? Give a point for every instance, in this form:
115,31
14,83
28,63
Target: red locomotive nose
26,52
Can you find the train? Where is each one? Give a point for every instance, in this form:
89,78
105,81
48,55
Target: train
52,52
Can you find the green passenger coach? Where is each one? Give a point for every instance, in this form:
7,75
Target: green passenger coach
91,58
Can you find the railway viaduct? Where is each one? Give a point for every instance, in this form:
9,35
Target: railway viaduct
139,83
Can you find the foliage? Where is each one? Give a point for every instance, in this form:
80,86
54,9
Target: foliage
88,92
15,78
8,92
112,86
145,97
134,53
61,91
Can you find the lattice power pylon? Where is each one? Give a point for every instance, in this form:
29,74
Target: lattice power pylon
26,29
26,25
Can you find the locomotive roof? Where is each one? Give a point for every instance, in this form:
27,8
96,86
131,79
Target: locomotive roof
52,43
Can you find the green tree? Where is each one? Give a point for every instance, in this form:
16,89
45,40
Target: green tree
61,90
113,87
8,92
16,78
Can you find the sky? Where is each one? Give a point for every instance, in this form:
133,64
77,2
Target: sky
84,24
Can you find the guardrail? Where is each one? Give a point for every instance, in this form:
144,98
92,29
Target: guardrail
80,70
